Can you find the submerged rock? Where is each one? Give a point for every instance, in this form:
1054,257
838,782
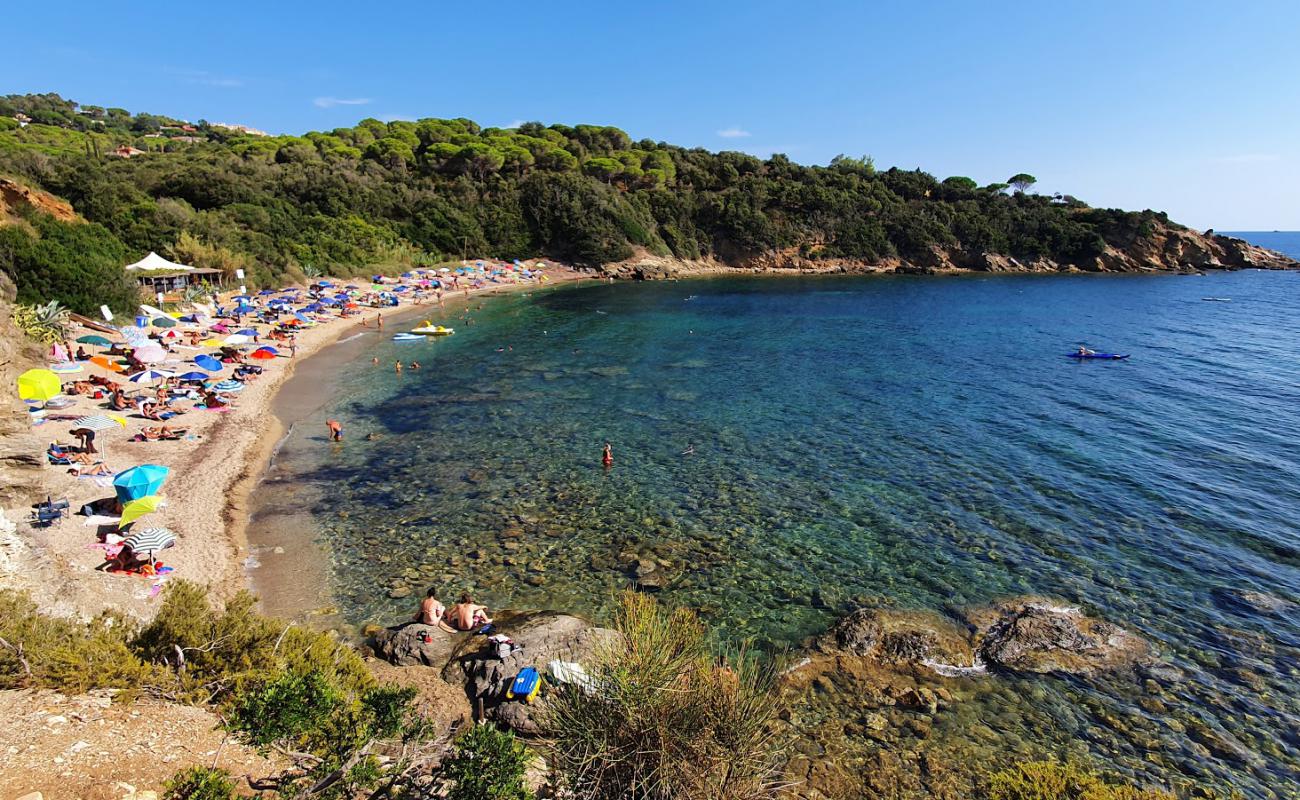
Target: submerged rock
1029,636
1248,600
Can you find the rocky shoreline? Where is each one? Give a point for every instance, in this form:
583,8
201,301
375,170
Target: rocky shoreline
1169,249
872,687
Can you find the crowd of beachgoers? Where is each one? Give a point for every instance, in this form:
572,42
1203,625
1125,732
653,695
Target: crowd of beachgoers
151,425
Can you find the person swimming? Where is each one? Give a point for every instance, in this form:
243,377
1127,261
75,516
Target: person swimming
607,456
1084,351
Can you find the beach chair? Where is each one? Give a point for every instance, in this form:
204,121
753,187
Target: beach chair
49,512
58,456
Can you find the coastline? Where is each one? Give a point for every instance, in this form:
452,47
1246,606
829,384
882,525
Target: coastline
289,569
212,479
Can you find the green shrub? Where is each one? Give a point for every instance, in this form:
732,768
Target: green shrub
1049,780
199,783
489,764
667,718
284,709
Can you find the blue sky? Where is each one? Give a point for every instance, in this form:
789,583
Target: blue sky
1189,107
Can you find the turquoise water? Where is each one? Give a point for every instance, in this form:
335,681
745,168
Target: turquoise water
920,442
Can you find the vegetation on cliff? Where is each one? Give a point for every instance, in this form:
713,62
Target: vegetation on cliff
407,192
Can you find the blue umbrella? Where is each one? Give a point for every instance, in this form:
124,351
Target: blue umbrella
267,291
193,376
241,297
243,309
267,348
208,362
141,481
247,332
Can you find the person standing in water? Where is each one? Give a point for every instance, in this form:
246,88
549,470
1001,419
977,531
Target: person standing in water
397,367
335,429
607,456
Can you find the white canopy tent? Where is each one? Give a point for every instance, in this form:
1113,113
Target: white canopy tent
154,262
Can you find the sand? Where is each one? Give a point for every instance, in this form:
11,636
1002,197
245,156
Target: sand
206,492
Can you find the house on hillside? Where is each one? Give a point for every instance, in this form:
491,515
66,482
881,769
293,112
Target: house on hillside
23,119
125,151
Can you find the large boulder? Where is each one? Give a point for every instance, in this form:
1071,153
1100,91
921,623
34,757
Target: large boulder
406,646
1031,636
539,638
22,452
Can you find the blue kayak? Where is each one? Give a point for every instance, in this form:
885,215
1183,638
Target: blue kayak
1102,356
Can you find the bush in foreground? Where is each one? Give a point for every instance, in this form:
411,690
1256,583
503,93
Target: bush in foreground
199,783
489,765
664,718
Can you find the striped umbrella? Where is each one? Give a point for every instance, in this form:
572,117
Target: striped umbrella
148,376
149,541
99,422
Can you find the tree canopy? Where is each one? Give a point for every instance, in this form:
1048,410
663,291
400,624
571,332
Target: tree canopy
349,200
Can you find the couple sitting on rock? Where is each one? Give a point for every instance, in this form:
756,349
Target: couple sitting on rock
464,616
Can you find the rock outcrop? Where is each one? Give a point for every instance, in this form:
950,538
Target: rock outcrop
15,196
540,638
1029,636
1162,248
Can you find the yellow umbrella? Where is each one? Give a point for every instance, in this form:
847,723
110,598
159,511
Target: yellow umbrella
212,343
39,384
135,509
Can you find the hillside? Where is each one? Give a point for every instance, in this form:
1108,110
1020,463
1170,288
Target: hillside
388,195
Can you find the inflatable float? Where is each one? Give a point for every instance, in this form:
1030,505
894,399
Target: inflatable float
1100,356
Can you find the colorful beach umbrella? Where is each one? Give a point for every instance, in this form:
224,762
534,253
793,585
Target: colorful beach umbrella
97,341
246,332
39,384
99,422
136,509
150,540
107,363
148,376
163,322
208,362
236,339
262,355
141,481
193,375
149,354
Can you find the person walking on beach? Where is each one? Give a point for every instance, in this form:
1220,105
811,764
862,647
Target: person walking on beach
607,456
379,320
335,429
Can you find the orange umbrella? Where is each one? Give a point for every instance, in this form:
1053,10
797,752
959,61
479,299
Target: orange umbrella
106,363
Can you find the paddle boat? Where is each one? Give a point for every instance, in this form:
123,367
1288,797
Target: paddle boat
1101,356
429,329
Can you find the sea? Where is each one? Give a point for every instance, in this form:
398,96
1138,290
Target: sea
788,448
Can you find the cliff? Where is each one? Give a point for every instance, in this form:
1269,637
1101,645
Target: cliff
21,462
1167,248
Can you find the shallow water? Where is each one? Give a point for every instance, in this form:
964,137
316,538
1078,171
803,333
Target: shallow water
921,442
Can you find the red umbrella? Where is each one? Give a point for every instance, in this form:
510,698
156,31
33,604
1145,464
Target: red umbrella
262,354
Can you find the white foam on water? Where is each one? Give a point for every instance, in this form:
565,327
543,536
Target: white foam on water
956,670
350,338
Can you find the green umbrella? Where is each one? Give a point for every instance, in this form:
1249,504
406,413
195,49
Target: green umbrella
98,341
163,322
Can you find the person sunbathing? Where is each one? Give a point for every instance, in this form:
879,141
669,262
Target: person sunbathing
161,433
467,615
211,400
119,401
82,465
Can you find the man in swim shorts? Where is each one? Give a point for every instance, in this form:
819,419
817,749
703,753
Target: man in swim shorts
335,429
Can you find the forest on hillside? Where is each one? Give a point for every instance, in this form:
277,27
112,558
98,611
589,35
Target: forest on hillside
392,194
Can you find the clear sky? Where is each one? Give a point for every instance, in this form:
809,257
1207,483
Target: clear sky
1190,107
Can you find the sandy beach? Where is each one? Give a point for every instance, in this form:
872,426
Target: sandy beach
213,469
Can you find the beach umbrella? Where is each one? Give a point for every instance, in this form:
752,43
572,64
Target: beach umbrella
148,376
163,322
244,309
137,508
99,422
107,363
242,297
193,376
141,481
92,339
267,291
191,318
149,354
208,362
262,355
246,332
39,384
237,339
150,540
